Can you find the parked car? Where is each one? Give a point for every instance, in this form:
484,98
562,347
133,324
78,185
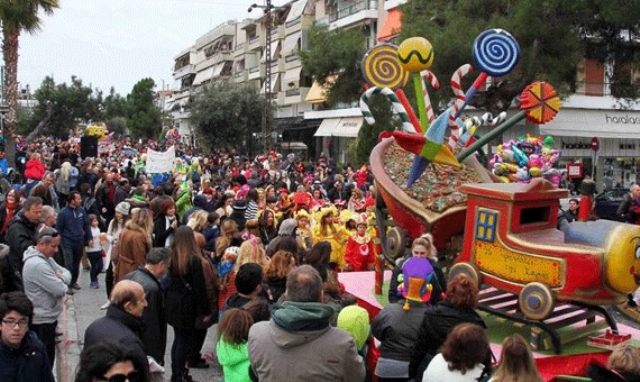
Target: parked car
607,203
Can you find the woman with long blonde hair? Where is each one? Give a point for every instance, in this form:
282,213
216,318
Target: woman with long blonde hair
228,237
186,299
516,362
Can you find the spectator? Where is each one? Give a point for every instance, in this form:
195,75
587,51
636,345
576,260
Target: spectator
276,273
301,330
105,195
75,231
9,208
570,215
516,362
123,323
231,347
186,299
109,361
134,243
45,283
628,204
421,247
46,190
23,358
165,224
154,337
248,283
5,272
623,365
267,227
21,235
113,253
94,252
461,356
286,231
458,307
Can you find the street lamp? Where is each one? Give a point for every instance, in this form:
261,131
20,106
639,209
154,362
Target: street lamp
266,118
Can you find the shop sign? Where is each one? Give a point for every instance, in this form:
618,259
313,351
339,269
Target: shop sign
575,171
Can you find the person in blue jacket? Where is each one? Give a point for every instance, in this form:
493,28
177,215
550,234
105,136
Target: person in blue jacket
75,232
23,357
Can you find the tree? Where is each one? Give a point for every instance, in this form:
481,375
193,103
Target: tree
226,115
61,107
143,118
553,37
16,17
337,51
114,105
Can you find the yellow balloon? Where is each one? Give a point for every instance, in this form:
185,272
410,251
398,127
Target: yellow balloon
415,54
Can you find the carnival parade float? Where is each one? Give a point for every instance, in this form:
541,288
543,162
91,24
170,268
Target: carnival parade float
497,221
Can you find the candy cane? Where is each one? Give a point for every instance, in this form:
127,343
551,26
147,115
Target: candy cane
459,93
425,93
402,113
488,118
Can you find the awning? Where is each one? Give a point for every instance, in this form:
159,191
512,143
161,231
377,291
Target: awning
291,43
293,146
217,69
327,127
274,50
587,123
296,11
292,76
317,92
392,25
274,83
204,75
348,127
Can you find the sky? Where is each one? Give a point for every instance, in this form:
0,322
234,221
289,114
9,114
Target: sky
116,43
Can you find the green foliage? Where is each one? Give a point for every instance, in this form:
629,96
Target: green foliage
23,15
24,120
553,36
117,125
333,52
114,105
368,134
226,115
62,106
143,118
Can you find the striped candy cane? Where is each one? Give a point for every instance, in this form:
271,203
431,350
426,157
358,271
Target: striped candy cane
425,93
459,93
489,120
402,113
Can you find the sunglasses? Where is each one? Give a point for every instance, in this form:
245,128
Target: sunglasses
134,376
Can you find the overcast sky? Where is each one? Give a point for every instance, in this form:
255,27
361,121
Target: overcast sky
119,42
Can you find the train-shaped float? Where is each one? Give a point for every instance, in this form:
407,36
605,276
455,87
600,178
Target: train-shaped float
502,235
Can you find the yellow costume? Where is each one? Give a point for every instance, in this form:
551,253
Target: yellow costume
333,234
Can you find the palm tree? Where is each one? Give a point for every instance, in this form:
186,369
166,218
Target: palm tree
17,16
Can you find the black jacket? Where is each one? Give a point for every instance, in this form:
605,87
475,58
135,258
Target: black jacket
397,329
160,230
186,297
20,236
27,363
438,282
119,326
599,373
154,316
437,323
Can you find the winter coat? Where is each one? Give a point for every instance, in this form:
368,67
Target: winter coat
154,316
34,169
300,332
211,285
27,363
438,322
41,285
20,236
186,297
73,226
397,329
234,360
133,247
119,326
160,230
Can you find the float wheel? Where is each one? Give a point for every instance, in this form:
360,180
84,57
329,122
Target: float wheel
536,301
396,242
468,270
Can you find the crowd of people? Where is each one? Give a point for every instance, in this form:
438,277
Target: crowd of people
251,244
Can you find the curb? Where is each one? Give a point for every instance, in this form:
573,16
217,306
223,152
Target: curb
68,349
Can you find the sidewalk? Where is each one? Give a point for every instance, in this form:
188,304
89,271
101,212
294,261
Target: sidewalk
81,309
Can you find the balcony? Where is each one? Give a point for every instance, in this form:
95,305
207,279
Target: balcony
183,71
255,43
256,72
214,59
240,76
354,13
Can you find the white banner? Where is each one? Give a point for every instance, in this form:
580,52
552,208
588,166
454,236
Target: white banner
161,162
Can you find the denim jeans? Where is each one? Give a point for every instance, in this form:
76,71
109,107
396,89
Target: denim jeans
72,257
180,350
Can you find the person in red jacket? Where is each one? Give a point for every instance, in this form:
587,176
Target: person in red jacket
359,255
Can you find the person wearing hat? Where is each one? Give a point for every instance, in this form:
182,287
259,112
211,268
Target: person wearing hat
328,231
303,232
359,255
238,215
398,324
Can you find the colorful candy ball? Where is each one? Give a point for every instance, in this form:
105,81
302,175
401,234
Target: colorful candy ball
415,54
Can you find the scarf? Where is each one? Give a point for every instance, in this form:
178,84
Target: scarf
11,209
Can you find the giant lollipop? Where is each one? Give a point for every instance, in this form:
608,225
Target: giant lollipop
415,55
496,53
380,67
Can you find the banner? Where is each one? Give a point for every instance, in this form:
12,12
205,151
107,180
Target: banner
161,162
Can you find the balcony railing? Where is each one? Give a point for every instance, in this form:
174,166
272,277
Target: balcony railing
254,69
291,57
292,92
351,9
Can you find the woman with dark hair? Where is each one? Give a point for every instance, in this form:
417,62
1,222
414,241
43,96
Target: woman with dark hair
461,356
438,321
267,227
8,210
109,361
165,224
186,299
516,362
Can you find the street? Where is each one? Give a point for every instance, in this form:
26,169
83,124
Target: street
81,309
